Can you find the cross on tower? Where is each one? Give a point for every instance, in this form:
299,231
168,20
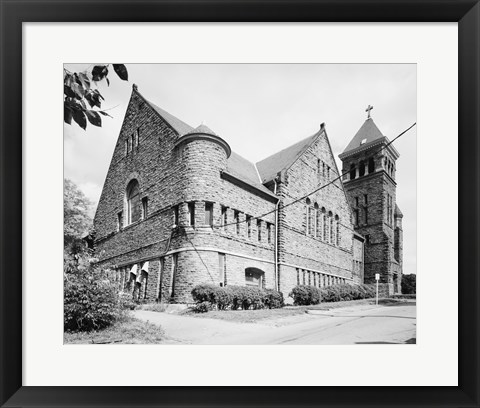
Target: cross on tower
368,110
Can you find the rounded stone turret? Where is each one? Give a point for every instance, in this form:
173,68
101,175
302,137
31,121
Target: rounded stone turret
203,155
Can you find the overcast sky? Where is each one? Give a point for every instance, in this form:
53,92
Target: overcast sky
260,109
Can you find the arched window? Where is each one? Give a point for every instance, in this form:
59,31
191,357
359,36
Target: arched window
353,170
134,204
324,221
308,220
361,169
371,165
337,235
317,221
330,217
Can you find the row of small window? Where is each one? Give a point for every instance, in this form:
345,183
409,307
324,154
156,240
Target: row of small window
132,141
357,266
317,279
225,221
389,166
362,167
323,170
136,208
322,225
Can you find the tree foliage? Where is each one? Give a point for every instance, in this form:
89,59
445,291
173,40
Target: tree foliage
409,284
76,221
81,95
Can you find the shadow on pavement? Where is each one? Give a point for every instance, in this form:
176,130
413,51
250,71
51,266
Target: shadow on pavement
413,340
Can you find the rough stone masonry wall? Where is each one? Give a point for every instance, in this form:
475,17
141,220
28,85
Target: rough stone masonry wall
379,232
311,251
201,164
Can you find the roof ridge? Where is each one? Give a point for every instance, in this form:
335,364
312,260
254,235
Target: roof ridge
175,123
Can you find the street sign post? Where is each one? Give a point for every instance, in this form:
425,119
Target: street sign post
377,278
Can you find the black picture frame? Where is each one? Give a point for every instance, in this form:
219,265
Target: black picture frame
15,12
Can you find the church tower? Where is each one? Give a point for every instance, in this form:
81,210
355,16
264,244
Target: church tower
369,165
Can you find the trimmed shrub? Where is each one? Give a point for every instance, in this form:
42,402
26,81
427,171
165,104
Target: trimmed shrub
205,293
237,297
203,307
337,293
304,295
273,299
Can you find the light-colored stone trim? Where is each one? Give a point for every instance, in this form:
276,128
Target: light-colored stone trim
205,249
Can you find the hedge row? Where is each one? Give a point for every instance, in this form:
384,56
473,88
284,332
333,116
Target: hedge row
337,293
311,295
235,297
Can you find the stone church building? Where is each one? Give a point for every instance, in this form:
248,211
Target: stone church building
179,208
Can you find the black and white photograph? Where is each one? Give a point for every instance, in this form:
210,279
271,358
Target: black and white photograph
240,204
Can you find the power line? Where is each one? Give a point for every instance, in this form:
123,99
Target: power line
314,191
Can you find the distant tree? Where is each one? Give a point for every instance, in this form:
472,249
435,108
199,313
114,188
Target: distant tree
409,284
76,221
80,89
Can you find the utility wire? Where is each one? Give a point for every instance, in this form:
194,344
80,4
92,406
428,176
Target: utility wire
314,191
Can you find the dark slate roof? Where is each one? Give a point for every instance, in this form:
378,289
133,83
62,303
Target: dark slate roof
202,129
397,211
179,126
368,132
269,167
245,170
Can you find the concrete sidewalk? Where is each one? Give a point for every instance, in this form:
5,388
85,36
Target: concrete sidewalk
363,324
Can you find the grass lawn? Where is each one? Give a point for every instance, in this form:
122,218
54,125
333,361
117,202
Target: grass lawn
254,316
126,331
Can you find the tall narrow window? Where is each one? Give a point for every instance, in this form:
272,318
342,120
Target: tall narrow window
209,214
366,215
365,199
224,217
361,170
134,206
337,222
119,220
269,233
191,214
323,169
298,276
353,171
319,169
371,165
356,217
176,216
324,221
173,275
315,229
259,230
144,208
126,147
332,231
137,136
328,173
133,141
221,269
307,214
249,226
236,216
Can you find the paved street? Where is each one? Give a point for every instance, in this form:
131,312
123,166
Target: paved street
361,324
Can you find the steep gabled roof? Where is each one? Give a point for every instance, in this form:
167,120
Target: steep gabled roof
398,213
368,133
178,125
244,170
202,129
269,167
